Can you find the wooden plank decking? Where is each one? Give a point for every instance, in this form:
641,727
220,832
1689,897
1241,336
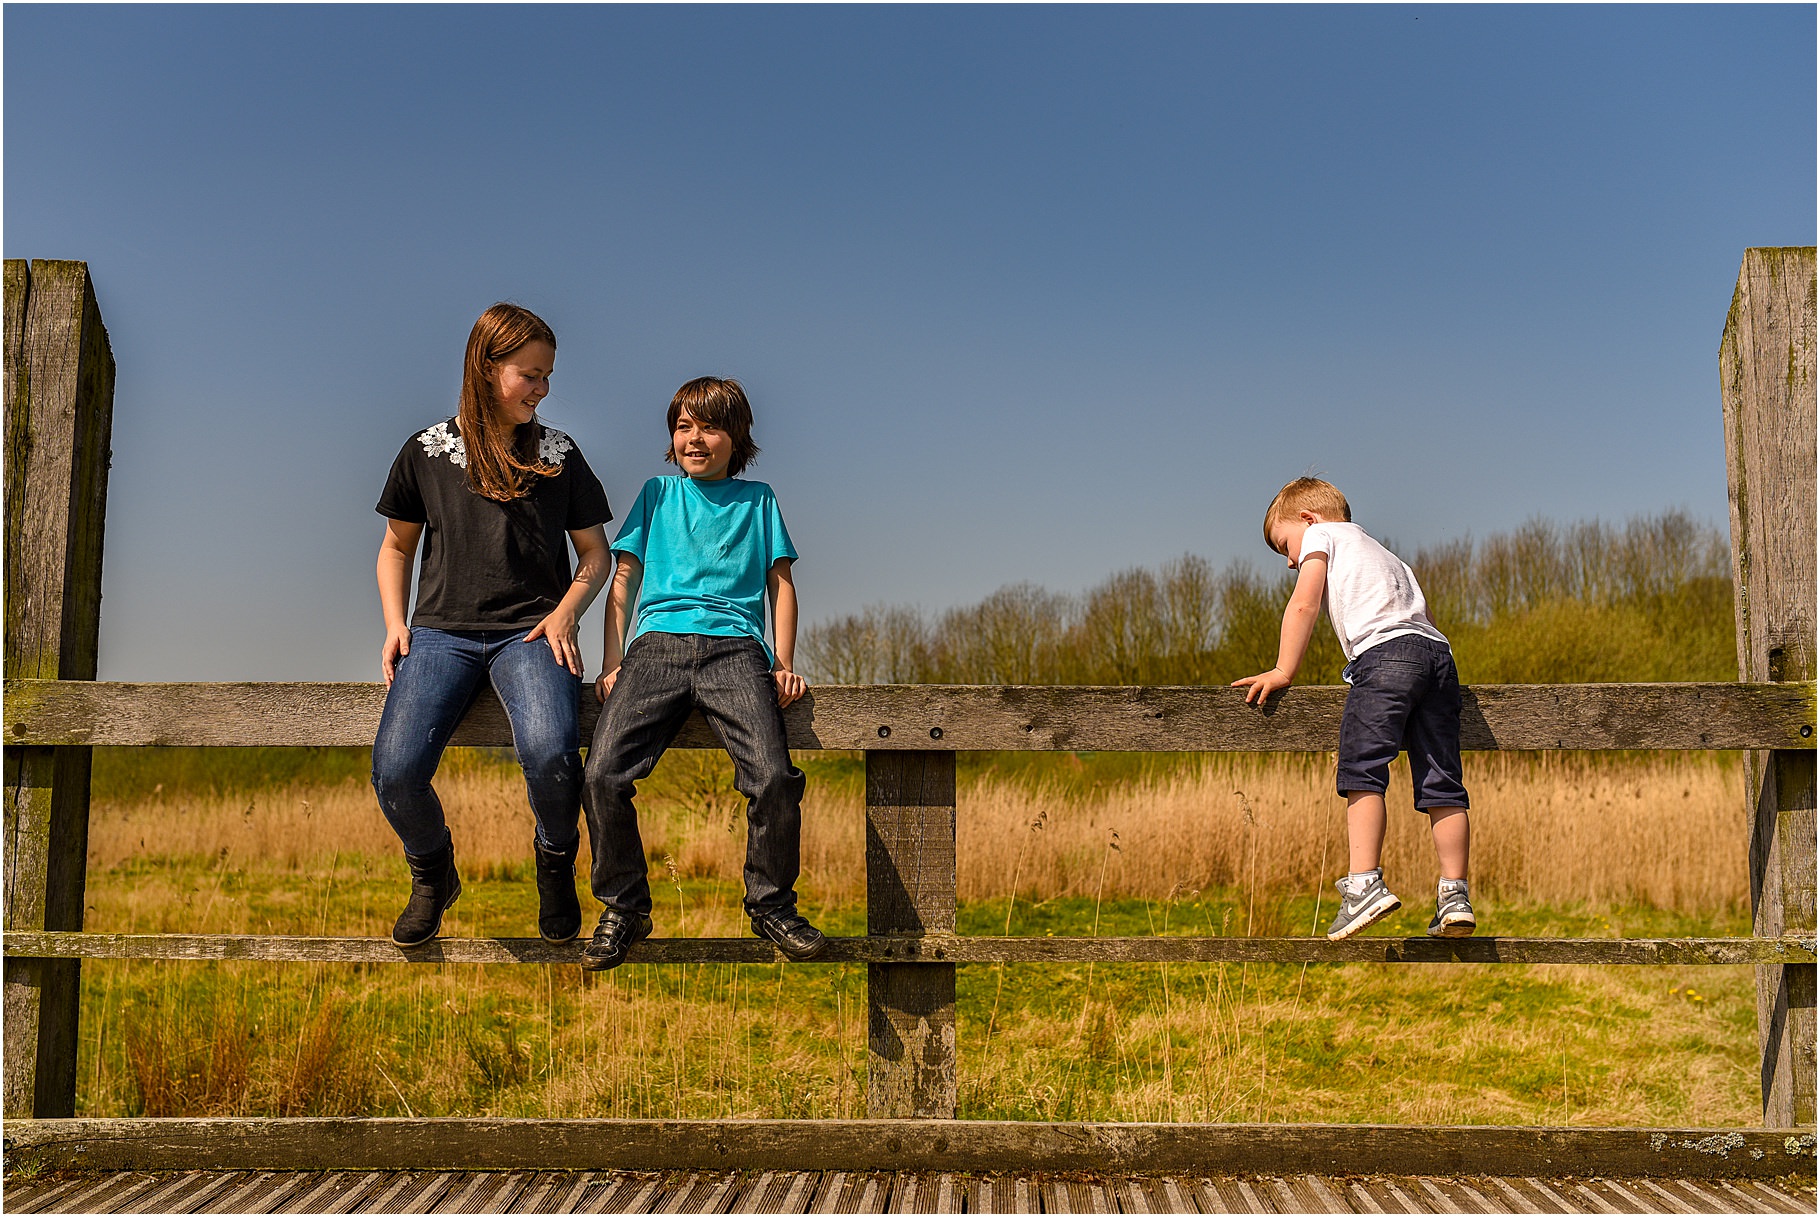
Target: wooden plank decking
880,1192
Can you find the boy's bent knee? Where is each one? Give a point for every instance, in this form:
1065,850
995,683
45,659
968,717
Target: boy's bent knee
606,784
603,785
775,783
1350,781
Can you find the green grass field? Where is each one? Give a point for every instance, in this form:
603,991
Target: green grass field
197,841
287,841
1419,1043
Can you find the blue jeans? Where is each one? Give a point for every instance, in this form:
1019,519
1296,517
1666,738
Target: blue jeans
1405,695
433,687
664,678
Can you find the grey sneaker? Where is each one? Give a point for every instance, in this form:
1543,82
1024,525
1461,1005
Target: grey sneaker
1371,902
1453,912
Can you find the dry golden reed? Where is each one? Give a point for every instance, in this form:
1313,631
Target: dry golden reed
1132,1043
1659,830
1665,831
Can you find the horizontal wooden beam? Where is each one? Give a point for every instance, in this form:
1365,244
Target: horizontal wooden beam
936,948
1720,715
897,1145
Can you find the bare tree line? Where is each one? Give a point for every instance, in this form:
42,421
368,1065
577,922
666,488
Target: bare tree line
1648,600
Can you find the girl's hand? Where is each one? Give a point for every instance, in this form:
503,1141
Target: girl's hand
560,630
790,686
603,685
397,646
1259,687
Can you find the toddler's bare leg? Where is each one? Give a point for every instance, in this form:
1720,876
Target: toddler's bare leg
1365,822
1453,839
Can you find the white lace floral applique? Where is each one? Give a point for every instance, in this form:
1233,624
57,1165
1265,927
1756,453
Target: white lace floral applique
439,440
554,447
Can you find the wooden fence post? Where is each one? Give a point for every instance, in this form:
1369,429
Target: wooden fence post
59,418
1766,372
910,890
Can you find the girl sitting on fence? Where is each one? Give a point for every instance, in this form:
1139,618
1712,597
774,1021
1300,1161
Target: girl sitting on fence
496,498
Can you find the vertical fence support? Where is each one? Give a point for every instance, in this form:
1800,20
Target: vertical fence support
910,890
1766,372
59,418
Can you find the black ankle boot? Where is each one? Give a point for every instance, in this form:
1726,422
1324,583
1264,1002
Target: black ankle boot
613,937
434,886
558,911
792,933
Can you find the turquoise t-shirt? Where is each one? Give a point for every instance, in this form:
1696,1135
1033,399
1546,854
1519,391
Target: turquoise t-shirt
706,549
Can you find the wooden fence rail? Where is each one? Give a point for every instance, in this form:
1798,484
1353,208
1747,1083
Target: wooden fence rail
58,403
873,1145
936,948
955,718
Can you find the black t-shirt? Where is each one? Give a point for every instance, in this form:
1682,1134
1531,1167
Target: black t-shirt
489,565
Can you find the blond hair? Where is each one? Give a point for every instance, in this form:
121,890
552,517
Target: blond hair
1306,494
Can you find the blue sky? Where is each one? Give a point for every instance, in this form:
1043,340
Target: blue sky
1020,293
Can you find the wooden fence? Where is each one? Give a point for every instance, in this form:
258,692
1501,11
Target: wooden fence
59,381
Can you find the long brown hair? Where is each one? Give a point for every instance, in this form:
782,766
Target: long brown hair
494,469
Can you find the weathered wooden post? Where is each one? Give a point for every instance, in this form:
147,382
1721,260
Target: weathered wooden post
59,418
1766,373
910,891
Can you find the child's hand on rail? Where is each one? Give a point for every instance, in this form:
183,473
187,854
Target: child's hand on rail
603,684
1260,687
397,646
790,686
560,630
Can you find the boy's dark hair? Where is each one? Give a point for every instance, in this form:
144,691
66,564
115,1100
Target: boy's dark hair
718,402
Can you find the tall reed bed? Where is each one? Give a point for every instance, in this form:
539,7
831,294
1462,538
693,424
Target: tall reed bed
1659,830
1665,831
1566,845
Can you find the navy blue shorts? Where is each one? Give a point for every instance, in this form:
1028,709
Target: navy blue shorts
1405,696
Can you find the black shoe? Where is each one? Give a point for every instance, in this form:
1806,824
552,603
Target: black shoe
558,911
613,937
791,932
434,886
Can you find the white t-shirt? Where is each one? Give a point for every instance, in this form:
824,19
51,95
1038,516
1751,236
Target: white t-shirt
1371,594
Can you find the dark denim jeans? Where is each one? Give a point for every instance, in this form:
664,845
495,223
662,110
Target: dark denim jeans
434,686
1405,695
663,678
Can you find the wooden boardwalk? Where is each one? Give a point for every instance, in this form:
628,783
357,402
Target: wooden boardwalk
910,1153
876,1192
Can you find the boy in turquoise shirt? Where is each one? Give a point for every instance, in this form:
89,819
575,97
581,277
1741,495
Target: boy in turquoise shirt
698,556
